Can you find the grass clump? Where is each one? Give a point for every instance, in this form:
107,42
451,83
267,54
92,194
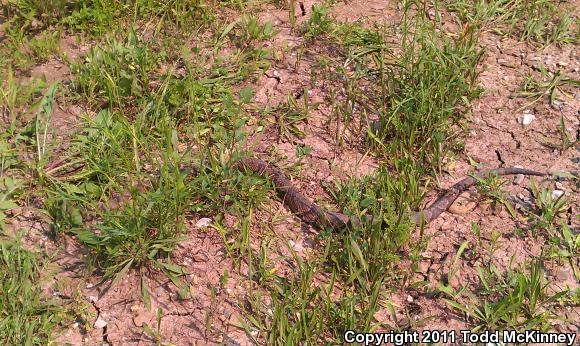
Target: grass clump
556,86
518,299
120,188
431,87
137,215
15,97
541,21
27,39
27,315
117,72
411,98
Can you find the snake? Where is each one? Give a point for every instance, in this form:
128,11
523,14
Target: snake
319,217
313,214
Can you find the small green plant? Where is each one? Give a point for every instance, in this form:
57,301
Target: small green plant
14,97
318,24
27,315
44,45
490,187
571,241
292,13
34,15
565,141
548,206
98,18
7,187
22,51
291,114
395,93
514,300
553,85
155,334
302,151
253,31
541,21
116,72
261,270
139,218
42,127
303,312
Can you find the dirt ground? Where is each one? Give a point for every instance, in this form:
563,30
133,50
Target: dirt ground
495,138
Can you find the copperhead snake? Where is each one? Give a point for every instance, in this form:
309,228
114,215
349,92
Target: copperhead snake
312,213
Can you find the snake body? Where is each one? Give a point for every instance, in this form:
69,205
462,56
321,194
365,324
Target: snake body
314,214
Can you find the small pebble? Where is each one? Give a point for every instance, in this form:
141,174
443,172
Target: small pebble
295,246
410,299
562,275
93,299
526,118
557,193
523,197
100,323
518,179
203,222
506,63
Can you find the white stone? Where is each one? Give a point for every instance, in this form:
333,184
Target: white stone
203,222
296,246
557,193
526,118
518,179
100,323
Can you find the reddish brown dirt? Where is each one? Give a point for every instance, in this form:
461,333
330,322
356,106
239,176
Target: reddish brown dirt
212,315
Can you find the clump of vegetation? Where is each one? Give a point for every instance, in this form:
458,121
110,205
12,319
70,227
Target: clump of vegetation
541,21
118,72
517,299
28,315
